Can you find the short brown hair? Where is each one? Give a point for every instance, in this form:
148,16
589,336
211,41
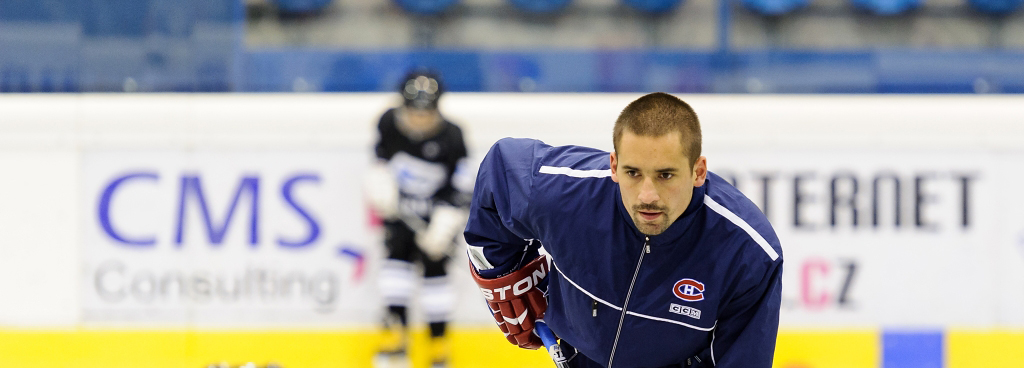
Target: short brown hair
657,114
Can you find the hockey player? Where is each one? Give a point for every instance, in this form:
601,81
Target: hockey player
652,261
420,190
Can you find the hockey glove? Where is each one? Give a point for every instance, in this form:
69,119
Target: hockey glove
381,189
516,301
446,222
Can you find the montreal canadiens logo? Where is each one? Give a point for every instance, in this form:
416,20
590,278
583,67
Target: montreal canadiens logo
689,290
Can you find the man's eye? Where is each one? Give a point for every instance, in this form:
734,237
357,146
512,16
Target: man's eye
667,175
632,173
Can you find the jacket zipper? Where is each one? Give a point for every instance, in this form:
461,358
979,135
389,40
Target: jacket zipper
622,318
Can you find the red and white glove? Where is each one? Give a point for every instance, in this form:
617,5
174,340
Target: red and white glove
516,301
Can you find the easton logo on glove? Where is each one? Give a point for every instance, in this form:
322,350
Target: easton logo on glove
516,302
525,284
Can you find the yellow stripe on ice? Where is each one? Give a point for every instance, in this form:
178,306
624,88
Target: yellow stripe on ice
984,348
292,349
828,349
471,348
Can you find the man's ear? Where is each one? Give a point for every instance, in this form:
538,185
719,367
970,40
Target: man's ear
700,171
615,171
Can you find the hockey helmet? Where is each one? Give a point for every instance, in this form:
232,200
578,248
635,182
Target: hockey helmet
421,90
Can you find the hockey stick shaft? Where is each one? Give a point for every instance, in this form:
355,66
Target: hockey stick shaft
551,343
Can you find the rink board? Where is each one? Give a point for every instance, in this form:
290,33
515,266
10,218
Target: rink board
472,348
903,233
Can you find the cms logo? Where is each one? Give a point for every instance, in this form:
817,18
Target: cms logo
191,197
689,290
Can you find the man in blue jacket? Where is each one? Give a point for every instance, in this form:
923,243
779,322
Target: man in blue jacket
652,260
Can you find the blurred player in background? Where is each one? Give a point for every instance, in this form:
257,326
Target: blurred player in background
654,260
420,189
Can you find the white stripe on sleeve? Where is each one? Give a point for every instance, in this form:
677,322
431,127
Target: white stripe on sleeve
715,206
575,173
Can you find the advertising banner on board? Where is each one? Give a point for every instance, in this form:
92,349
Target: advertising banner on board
226,237
876,231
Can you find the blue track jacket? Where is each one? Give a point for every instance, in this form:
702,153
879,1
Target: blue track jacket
708,287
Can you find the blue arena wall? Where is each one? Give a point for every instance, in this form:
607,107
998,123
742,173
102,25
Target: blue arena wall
781,71
197,46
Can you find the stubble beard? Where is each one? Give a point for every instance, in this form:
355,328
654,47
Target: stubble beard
650,228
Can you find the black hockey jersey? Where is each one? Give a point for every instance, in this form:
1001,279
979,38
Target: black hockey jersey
428,171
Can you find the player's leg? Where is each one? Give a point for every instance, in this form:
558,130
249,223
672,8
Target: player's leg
438,300
396,284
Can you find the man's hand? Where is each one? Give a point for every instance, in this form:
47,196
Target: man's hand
516,301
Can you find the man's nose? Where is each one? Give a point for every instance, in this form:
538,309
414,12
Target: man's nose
648,193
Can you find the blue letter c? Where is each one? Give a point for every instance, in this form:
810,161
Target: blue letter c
104,210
